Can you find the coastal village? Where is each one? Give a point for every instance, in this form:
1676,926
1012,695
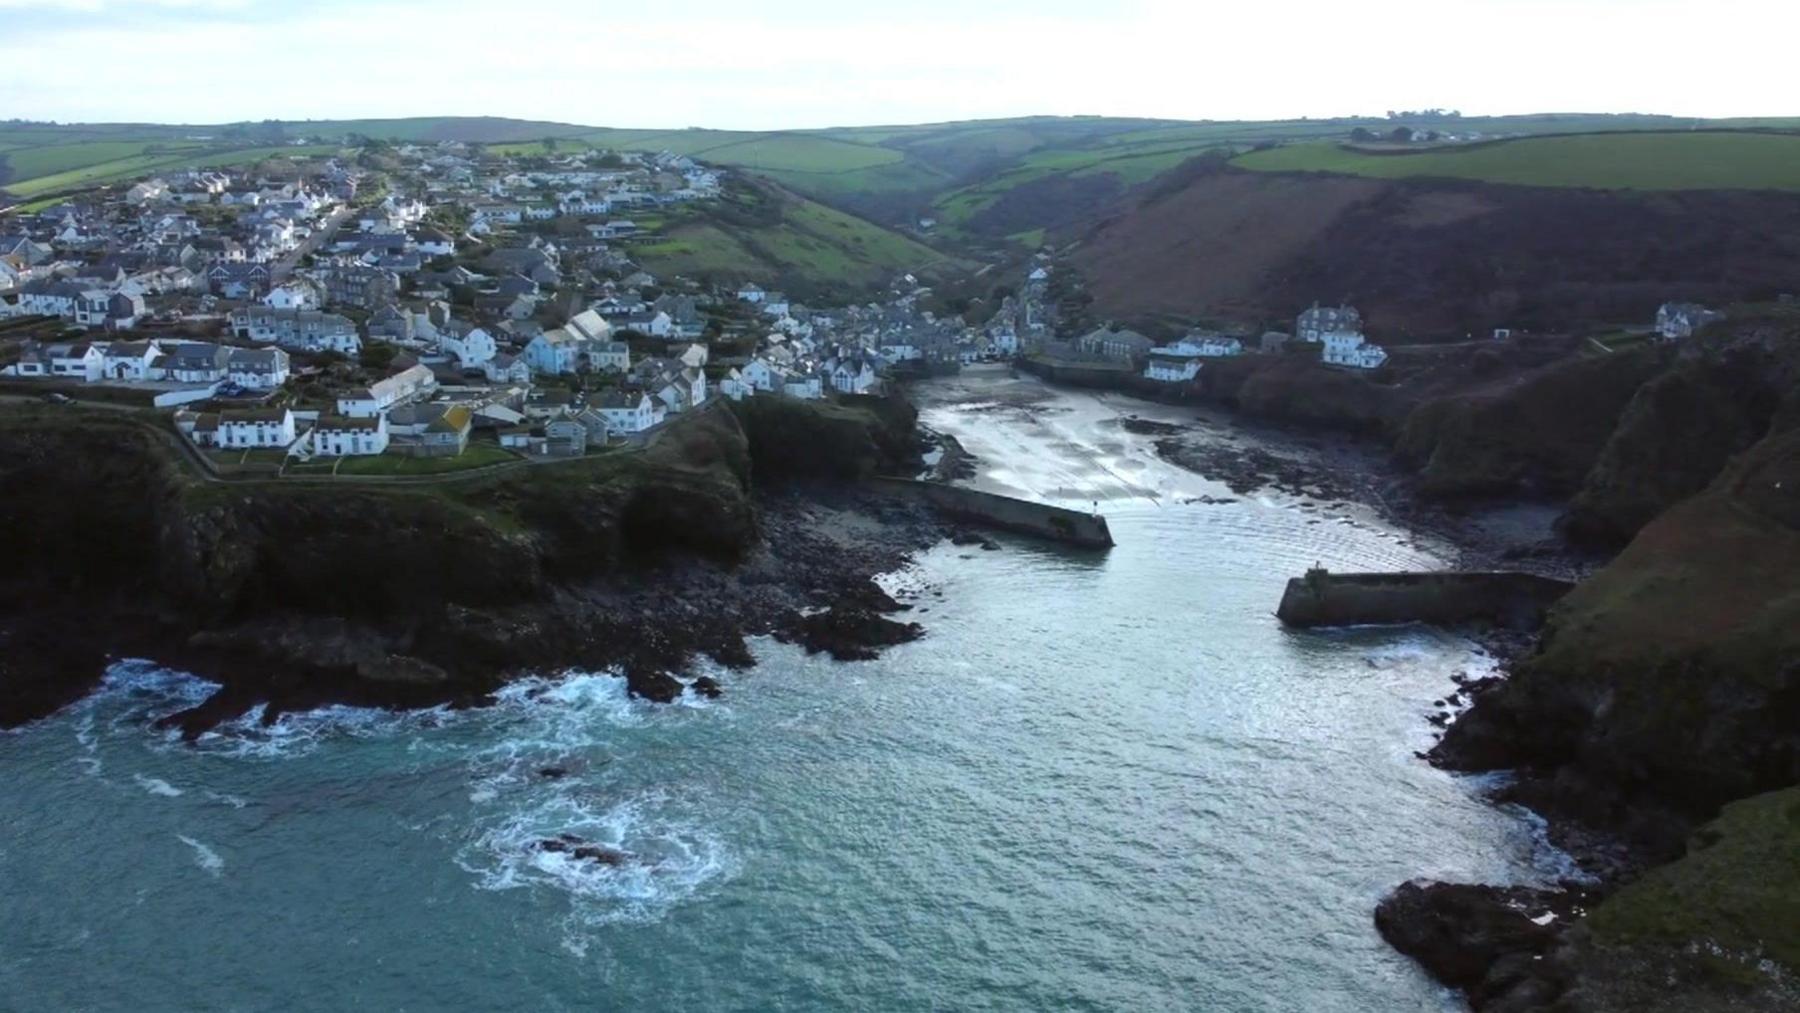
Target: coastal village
462,309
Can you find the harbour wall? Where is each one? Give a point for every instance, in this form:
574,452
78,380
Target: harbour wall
1071,527
1517,600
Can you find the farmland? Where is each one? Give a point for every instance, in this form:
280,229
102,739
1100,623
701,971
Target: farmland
152,158
1694,160
764,233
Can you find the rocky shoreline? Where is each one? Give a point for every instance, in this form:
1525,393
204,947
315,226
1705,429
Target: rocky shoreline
1660,691
296,599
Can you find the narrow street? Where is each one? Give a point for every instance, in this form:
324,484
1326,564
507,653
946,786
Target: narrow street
285,266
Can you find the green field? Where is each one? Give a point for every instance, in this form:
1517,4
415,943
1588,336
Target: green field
801,154
135,166
1702,160
774,237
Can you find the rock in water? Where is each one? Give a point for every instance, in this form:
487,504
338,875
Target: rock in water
706,686
1461,933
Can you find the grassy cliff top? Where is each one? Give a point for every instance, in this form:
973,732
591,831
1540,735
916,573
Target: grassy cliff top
1737,892
1691,160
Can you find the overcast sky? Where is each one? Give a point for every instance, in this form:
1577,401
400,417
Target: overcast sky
808,63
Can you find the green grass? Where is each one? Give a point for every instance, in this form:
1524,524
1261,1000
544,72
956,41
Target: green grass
1703,160
800,153
1738,889
31,163
479,455
136,166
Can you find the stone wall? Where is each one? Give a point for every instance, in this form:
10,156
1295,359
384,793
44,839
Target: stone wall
1352,599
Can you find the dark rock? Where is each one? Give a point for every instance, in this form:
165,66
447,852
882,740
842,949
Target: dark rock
602,855
848,632
1460,933
577,847
552,773
707,687
652,684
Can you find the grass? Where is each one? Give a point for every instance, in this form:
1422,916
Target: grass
479,455
135,166
1704,160
30,163
1739,890
783,239
800,153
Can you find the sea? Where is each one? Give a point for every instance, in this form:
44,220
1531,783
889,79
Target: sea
1101,781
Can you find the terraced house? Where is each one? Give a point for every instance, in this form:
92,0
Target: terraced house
300,330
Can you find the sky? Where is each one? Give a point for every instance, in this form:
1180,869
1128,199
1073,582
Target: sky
786,64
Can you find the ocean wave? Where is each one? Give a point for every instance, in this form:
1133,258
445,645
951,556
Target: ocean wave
667,858
299,733
157,786
204,856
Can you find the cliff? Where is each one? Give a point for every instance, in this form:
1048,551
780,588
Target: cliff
1538,433
1669,682
292,592
1681,428
848,437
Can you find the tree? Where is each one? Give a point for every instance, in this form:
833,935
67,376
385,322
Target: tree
1401,135
377,355
1362,135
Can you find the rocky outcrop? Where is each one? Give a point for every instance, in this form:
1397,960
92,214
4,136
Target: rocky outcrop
1537,434
1485,940
1673,438
295,594
846,438
1712,932
1670,680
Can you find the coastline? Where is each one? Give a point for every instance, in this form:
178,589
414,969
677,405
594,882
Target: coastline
1460,933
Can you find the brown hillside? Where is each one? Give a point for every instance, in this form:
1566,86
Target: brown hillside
1426,258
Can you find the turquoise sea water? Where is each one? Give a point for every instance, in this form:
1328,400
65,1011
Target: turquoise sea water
1109,783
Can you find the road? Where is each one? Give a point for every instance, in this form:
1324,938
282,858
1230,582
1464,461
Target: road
285,266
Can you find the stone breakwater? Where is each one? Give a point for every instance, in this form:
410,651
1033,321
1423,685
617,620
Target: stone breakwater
1517,600
1041,520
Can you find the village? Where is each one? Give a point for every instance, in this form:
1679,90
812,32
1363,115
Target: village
464,309
455,308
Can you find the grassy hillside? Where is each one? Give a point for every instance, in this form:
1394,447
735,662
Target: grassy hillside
764,233
1704,160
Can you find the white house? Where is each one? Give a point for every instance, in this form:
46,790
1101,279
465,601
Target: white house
305,330
1675,320
625,412
1210,346
806,386
472,346
759,374
589,324
750,293
852,375
257,368
129,360
407,385
1350,348
555,351
337,436
734,386
294,295
1318,321
1168,365
262,427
